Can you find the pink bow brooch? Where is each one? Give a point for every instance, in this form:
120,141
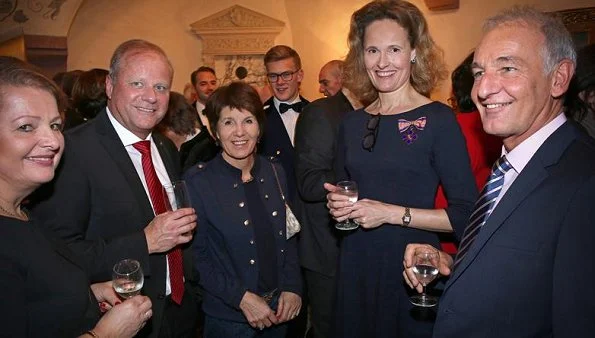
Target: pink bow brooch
408,129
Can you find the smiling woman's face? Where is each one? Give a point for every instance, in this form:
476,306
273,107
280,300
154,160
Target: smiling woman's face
31,141
238,132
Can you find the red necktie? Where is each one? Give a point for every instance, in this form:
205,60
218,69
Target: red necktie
176,269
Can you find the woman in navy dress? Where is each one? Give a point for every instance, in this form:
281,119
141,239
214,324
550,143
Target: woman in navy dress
398,149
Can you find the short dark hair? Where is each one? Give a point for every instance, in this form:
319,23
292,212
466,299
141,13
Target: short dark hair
583,82
132,47
282,52
236,95
67,80
201,69
462,83
88,93
181,117
17,73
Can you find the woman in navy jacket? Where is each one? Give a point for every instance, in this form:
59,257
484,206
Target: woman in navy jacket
249,271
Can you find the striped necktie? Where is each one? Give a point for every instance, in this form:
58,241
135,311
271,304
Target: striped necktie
483,207
174,257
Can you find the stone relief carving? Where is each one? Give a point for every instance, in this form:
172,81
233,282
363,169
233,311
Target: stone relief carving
236,45
577,16
237,37
233,17
48,9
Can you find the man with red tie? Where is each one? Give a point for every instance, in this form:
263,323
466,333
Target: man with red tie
107,200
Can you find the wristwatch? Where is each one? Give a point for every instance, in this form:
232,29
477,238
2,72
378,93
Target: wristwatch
406,217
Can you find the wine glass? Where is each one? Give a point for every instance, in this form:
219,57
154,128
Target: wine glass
127,278
347,188
176,195
425,267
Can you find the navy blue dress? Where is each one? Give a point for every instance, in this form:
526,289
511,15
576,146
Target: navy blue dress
414,152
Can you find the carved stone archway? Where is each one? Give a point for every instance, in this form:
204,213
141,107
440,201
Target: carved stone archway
237,37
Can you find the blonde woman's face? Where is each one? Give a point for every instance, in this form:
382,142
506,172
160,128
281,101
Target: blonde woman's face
387,55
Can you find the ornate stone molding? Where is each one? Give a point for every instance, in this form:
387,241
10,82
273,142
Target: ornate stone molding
237,31
581,24
577,16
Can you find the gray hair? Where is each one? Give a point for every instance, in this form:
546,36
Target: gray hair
132,47
558,43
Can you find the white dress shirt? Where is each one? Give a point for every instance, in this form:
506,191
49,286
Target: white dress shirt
128,139
289,118
522,154
203,118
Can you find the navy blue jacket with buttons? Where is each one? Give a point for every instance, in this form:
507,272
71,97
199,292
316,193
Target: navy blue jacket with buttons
224,247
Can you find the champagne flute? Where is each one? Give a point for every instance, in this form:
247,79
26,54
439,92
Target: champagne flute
425,267
347,188
176,195
127,278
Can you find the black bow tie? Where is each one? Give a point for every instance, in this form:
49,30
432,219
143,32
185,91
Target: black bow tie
297,107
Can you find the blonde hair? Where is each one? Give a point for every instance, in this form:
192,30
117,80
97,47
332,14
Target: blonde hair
428,69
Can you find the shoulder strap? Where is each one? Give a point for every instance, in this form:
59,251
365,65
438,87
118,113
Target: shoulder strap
278,183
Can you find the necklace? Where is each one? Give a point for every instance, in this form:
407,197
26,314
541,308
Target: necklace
10,213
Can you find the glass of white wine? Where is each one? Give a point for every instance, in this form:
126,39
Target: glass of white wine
347,188
425,267
127,278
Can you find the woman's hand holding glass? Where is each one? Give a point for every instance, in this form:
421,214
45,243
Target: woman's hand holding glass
125,319
257,311
339,204
370,214
367,213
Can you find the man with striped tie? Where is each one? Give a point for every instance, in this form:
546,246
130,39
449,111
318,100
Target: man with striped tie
527,251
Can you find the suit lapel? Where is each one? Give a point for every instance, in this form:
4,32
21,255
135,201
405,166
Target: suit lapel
275,125
528,180
113,145
167,157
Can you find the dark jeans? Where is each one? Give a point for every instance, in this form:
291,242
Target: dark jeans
219,328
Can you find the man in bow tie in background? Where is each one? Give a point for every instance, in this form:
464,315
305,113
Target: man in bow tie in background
284,72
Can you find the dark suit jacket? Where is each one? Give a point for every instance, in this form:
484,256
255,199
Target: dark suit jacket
276,142
224,245
315,144
201,148
46,290
530,267
98,205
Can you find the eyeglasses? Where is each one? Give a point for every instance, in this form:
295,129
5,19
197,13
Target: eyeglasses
286,76
369,139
